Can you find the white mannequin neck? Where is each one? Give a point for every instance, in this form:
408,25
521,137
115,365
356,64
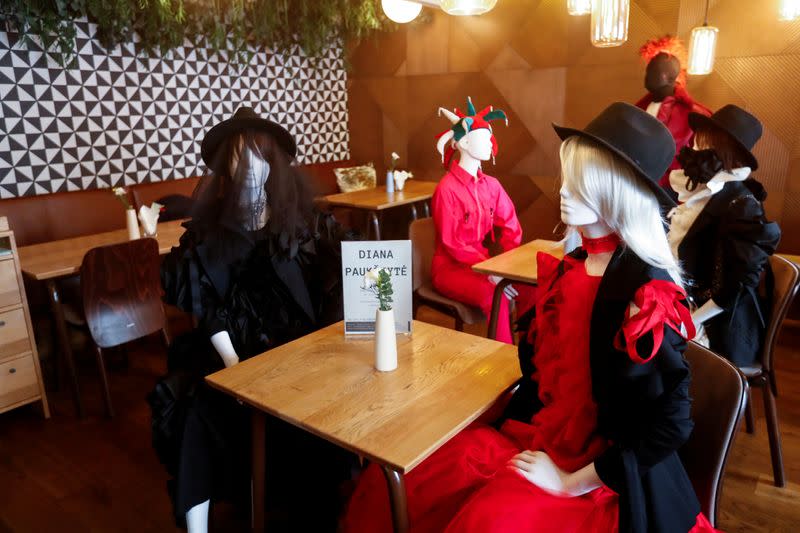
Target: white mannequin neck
469,164
596,230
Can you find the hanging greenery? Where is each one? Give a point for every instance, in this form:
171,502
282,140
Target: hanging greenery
164,24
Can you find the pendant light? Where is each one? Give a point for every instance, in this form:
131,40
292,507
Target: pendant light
579,7
702,48
401,11
467,7
790,9
610,22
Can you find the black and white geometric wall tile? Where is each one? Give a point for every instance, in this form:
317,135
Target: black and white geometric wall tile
120,117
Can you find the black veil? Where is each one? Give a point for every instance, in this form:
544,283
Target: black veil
225,197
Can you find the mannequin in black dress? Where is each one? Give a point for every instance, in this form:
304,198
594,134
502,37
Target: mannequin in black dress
256,271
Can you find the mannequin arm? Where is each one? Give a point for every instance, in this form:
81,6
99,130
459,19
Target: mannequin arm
583,481
222,343
505,216
706,312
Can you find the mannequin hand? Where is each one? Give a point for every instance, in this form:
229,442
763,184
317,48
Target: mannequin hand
510,292
222,343
539,469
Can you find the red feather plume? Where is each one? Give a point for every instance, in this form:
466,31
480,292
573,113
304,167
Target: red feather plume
668,44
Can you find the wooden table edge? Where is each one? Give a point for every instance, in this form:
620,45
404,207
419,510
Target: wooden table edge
505,275
338,442
380,206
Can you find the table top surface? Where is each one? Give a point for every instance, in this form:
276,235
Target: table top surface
55,259
377,199
519,264
326,383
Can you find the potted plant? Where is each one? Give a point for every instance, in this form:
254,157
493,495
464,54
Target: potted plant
379,282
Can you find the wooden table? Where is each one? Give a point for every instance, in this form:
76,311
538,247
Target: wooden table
376,200
52,260
515,266
326,384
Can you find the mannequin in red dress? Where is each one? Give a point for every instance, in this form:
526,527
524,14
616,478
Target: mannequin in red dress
667,98
603,403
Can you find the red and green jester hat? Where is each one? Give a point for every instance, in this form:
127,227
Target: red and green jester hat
463,123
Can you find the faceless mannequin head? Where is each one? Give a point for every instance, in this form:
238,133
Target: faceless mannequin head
249,171
476,144
575,212
599,188
662,75
470,134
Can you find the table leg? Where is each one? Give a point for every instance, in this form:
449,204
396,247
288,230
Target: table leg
426,208
496,301
413,212
397,498
63,339
376,225
259,465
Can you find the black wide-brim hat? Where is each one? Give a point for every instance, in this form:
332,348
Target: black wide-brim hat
639,139
744,128
245,118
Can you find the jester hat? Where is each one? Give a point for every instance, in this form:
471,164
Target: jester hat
463,123
670,45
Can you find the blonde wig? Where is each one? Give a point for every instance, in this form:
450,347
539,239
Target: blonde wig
608,185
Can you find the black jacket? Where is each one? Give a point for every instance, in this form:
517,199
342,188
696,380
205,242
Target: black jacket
643,409
724,254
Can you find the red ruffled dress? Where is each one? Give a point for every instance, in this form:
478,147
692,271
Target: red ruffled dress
465,486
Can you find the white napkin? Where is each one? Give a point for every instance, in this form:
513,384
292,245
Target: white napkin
148,216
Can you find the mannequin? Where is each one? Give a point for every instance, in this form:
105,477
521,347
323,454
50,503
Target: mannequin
667,98
255,274
721,234
467,207
584,438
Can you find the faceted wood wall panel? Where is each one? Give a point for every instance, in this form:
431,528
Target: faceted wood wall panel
532,59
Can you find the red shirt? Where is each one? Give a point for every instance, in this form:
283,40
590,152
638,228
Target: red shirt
465,209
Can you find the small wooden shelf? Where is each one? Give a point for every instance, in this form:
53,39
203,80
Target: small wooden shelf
20,375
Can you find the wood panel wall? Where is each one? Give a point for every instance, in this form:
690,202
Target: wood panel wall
532,59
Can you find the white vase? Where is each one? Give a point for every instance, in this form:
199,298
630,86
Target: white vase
133,224
389,181
385,341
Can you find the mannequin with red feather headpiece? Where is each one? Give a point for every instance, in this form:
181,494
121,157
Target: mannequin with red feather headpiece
468,206
667,98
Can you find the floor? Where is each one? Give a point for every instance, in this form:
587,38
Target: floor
100,475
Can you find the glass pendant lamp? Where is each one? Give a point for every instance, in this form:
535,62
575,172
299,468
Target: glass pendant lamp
610,22
702,48
579,7
790,10
401,11
467,7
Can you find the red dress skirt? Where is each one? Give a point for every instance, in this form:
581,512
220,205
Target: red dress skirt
465,486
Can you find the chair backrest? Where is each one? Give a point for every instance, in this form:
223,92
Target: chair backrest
719,393
422,233
121,287
786,276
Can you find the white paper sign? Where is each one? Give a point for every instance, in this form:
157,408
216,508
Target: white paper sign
360,304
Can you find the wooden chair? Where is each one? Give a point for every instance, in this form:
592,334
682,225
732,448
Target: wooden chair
422,233
121,287
717,412
762,375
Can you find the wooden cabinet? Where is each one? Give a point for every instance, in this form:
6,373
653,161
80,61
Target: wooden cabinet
20,376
